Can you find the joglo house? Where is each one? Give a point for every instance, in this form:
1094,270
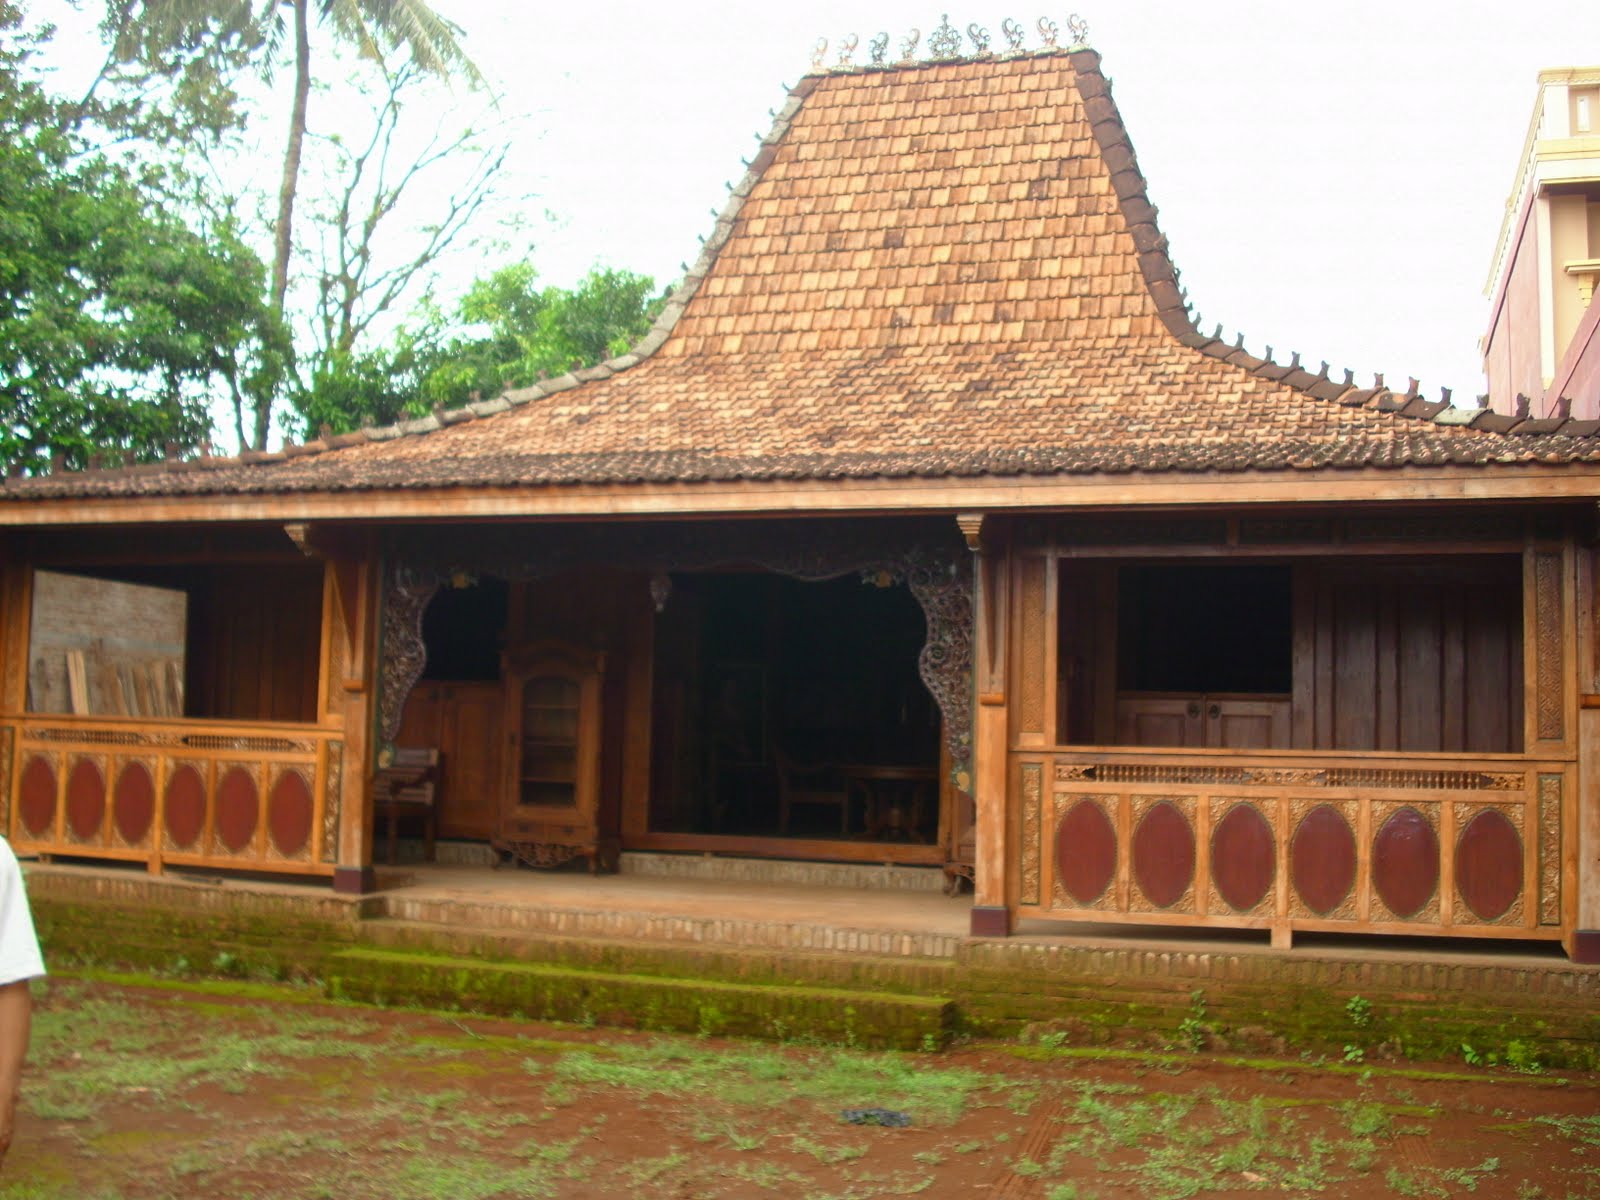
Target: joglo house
925,528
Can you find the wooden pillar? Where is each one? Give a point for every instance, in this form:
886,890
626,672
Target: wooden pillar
16,612
991,914
347,694
1582,840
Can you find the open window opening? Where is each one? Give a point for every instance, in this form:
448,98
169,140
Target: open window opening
1378,655
792,709
221,641
464,629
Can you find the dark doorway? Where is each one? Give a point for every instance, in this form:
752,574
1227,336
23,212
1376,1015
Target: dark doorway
792,709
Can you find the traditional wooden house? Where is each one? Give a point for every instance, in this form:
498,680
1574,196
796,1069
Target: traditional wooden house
925,528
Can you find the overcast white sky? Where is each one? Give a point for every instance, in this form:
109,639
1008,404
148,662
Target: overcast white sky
1331,176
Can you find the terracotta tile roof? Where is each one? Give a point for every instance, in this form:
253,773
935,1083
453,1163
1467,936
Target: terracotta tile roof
938,270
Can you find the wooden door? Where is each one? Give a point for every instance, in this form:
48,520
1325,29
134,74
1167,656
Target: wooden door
462,721
1160,721
470,740
1237,723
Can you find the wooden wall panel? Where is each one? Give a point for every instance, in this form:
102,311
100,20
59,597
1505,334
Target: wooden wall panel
255,634
1411,658
1033,652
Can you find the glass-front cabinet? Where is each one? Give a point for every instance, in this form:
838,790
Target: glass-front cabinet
550,802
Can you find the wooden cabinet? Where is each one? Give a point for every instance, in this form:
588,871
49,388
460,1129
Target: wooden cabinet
1234,722
462,721
550,800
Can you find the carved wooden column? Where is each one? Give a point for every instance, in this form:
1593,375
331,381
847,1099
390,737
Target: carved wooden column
1583,842
346,697
991,914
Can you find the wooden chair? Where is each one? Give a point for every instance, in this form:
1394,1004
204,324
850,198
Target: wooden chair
408,787
820,786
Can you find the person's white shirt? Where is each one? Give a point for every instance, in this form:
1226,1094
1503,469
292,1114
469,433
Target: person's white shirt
19,945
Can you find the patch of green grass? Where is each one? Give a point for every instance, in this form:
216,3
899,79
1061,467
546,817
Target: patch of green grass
769,1077
828,1154
652,1170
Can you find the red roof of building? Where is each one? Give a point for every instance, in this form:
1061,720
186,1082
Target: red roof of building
940,269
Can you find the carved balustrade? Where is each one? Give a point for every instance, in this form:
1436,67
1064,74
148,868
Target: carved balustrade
254,796
1352,843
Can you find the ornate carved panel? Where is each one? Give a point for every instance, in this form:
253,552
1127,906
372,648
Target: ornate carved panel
1031,646
290,810
928,558
1550,849
86,798
8,749
333,802
133,800
1405,862
1162,854
1489,864
1244,857
1032,834
184,807
1299,777
238,808
1322,858
1086,851
1549,651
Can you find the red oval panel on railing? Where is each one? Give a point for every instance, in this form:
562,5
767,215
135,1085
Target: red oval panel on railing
1489,864
289,811
1086,851
133,803
36,799
86,799
1322,859
1243,857
1405,862
186,806
1163,854
238,809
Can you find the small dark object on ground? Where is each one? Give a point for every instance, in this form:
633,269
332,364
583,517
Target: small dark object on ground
876,1116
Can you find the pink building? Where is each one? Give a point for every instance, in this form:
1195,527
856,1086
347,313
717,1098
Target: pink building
1543,340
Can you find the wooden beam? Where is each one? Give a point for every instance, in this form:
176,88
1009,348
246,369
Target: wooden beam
1155,491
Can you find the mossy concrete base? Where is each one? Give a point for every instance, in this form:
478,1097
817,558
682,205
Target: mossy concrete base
545,991
1508,1007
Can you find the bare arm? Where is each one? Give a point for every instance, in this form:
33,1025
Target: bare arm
16,1020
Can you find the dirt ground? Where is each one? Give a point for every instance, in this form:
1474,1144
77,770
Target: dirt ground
150,1088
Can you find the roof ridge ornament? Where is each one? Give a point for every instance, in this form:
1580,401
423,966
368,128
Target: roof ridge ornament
945,44
945,41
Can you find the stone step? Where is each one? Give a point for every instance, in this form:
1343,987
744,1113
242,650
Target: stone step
735,964
623,924
548,992
888,877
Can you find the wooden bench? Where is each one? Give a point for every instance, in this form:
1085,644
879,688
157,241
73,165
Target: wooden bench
408,787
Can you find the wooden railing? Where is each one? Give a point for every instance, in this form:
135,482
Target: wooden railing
252,796
1297,841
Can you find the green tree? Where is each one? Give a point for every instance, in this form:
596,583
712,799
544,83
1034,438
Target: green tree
146,31
117,320
510,333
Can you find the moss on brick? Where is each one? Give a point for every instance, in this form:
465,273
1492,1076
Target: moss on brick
550,992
